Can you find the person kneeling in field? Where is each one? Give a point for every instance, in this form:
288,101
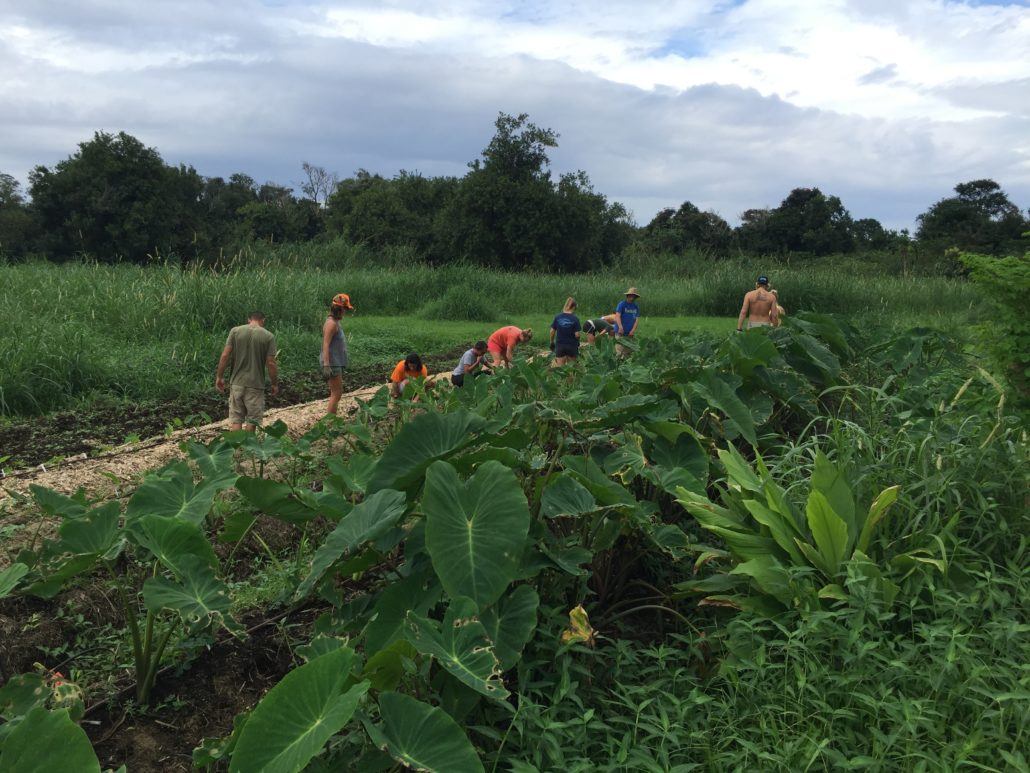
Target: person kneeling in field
602,326
470,364
252,350
502,343
411,367
565,334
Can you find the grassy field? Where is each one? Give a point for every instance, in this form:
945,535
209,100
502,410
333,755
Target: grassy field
72,332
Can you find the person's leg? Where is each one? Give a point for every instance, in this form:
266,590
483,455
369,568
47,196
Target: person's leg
254,402
458,381
237,410
335,393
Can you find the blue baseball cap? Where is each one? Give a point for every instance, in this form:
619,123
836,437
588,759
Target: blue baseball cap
763,280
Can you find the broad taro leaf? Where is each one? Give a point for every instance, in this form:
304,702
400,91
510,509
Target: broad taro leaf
47,741
172,541
685,452
617,412
569,559
386,668
461,645
170,493
369,520
216,462
825,327
607,492
566,497
475,531
812,359
510,624
95,532
200,598
352,475
720,392
748,352
279,500
294,720
19,695
9,578
57,504
422,737
394,603
829,480
628,461
421,442
829,531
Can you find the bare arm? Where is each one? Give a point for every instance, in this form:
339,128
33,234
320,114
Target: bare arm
774,313
743,311
328,331
273,374
223,363
475,364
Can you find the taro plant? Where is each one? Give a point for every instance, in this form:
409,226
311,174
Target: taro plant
157,557
781,558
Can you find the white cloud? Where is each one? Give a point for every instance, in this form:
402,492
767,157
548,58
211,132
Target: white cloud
887,104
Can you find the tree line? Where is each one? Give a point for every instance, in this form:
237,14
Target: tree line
117,200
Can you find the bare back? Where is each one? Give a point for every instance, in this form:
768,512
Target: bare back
758,307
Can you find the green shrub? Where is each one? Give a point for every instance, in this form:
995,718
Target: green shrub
461,303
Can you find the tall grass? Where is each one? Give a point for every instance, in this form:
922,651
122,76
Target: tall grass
134,331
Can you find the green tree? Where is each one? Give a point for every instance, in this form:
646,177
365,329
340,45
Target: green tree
115,199
688,228
17,227
979,218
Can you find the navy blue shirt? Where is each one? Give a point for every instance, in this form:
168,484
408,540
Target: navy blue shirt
565,327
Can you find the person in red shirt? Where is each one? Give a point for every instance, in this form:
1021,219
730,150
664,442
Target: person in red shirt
501,345
411,367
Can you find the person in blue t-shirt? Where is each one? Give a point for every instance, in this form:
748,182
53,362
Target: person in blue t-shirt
628,312
565,334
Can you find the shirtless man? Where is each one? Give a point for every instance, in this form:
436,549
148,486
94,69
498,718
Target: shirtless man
759,307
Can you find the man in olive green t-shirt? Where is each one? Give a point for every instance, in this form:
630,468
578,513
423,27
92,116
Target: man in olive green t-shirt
251,349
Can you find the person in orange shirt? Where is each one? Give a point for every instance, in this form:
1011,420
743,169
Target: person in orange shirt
411,367
501,345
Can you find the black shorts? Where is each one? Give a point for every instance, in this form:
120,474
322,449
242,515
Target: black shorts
566,350
458,381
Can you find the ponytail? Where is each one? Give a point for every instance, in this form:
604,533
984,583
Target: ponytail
570,305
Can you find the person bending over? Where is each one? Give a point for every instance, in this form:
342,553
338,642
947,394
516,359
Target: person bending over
333,358
759,307
251,349
471,364
502,343
602,326
408,369
565,334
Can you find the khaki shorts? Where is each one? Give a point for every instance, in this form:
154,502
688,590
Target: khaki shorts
246,405
751,324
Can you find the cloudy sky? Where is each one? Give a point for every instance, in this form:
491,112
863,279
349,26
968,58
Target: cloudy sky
730,104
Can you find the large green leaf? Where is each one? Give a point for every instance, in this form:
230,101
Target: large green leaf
294,720
747,352
565,497
391,609
172,541
47,742
769,575
686,453
475,531
279,500
352,475
366,522
829,480
94,532
421,442
739,475
217,463
423,737
606,491
510,623
461,645
170,493
718,391
57,504
199,597
782,529
829,531
877,511
9,578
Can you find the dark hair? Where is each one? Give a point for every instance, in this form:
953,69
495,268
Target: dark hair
413,362
258,315
479,346
336,312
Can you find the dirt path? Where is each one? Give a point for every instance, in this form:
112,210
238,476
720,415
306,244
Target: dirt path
117,471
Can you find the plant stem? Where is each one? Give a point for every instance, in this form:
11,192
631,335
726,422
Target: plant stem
155,661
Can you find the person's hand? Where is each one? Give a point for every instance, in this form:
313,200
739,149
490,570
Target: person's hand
220,384
274,390
327,371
